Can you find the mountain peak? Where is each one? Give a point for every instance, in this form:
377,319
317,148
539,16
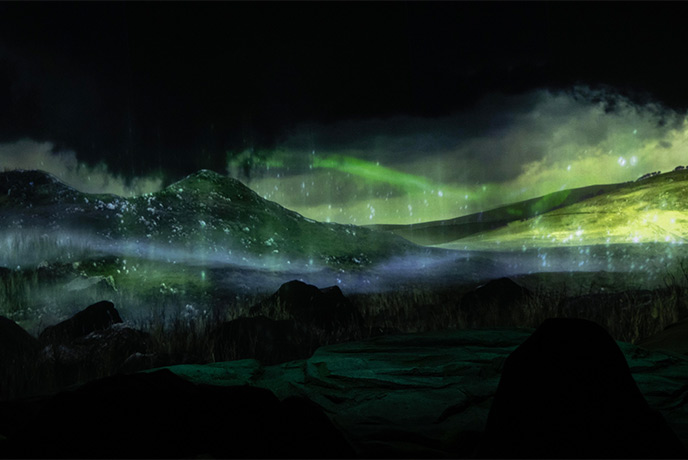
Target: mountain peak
207,174
206,182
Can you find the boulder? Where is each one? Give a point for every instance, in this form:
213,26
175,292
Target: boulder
91,344
96,317
160,415
325,310
498,303
266,340
567,391
98,354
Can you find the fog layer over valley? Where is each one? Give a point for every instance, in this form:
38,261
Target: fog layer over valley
208,242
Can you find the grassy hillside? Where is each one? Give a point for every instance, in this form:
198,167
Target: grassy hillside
653,209
444,231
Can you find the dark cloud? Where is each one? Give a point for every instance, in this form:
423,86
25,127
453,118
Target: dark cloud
409,169
145,87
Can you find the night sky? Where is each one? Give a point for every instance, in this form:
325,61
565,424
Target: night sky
351,112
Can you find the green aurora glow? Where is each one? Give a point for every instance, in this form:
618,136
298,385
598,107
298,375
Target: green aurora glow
557,144
408,170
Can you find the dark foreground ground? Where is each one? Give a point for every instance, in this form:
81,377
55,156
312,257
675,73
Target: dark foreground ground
565,390
312,373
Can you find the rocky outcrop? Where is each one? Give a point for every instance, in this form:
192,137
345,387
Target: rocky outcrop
326,310
567,391
97,354
91,344
96,317
288,325
160,415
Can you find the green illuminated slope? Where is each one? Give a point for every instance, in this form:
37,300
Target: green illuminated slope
445,231
654,209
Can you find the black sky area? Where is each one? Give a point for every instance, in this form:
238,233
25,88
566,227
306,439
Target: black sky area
154,86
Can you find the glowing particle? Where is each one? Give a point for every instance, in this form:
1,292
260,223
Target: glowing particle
568,168
202,223
621,161
635,131
440,194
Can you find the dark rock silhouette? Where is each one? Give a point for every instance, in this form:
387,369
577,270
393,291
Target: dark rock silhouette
91,344
567,391
20,368
267,340
496,303
14,340
96,355
326,310
160,415
96,317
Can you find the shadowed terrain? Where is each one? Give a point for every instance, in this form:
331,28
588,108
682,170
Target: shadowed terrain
306,339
